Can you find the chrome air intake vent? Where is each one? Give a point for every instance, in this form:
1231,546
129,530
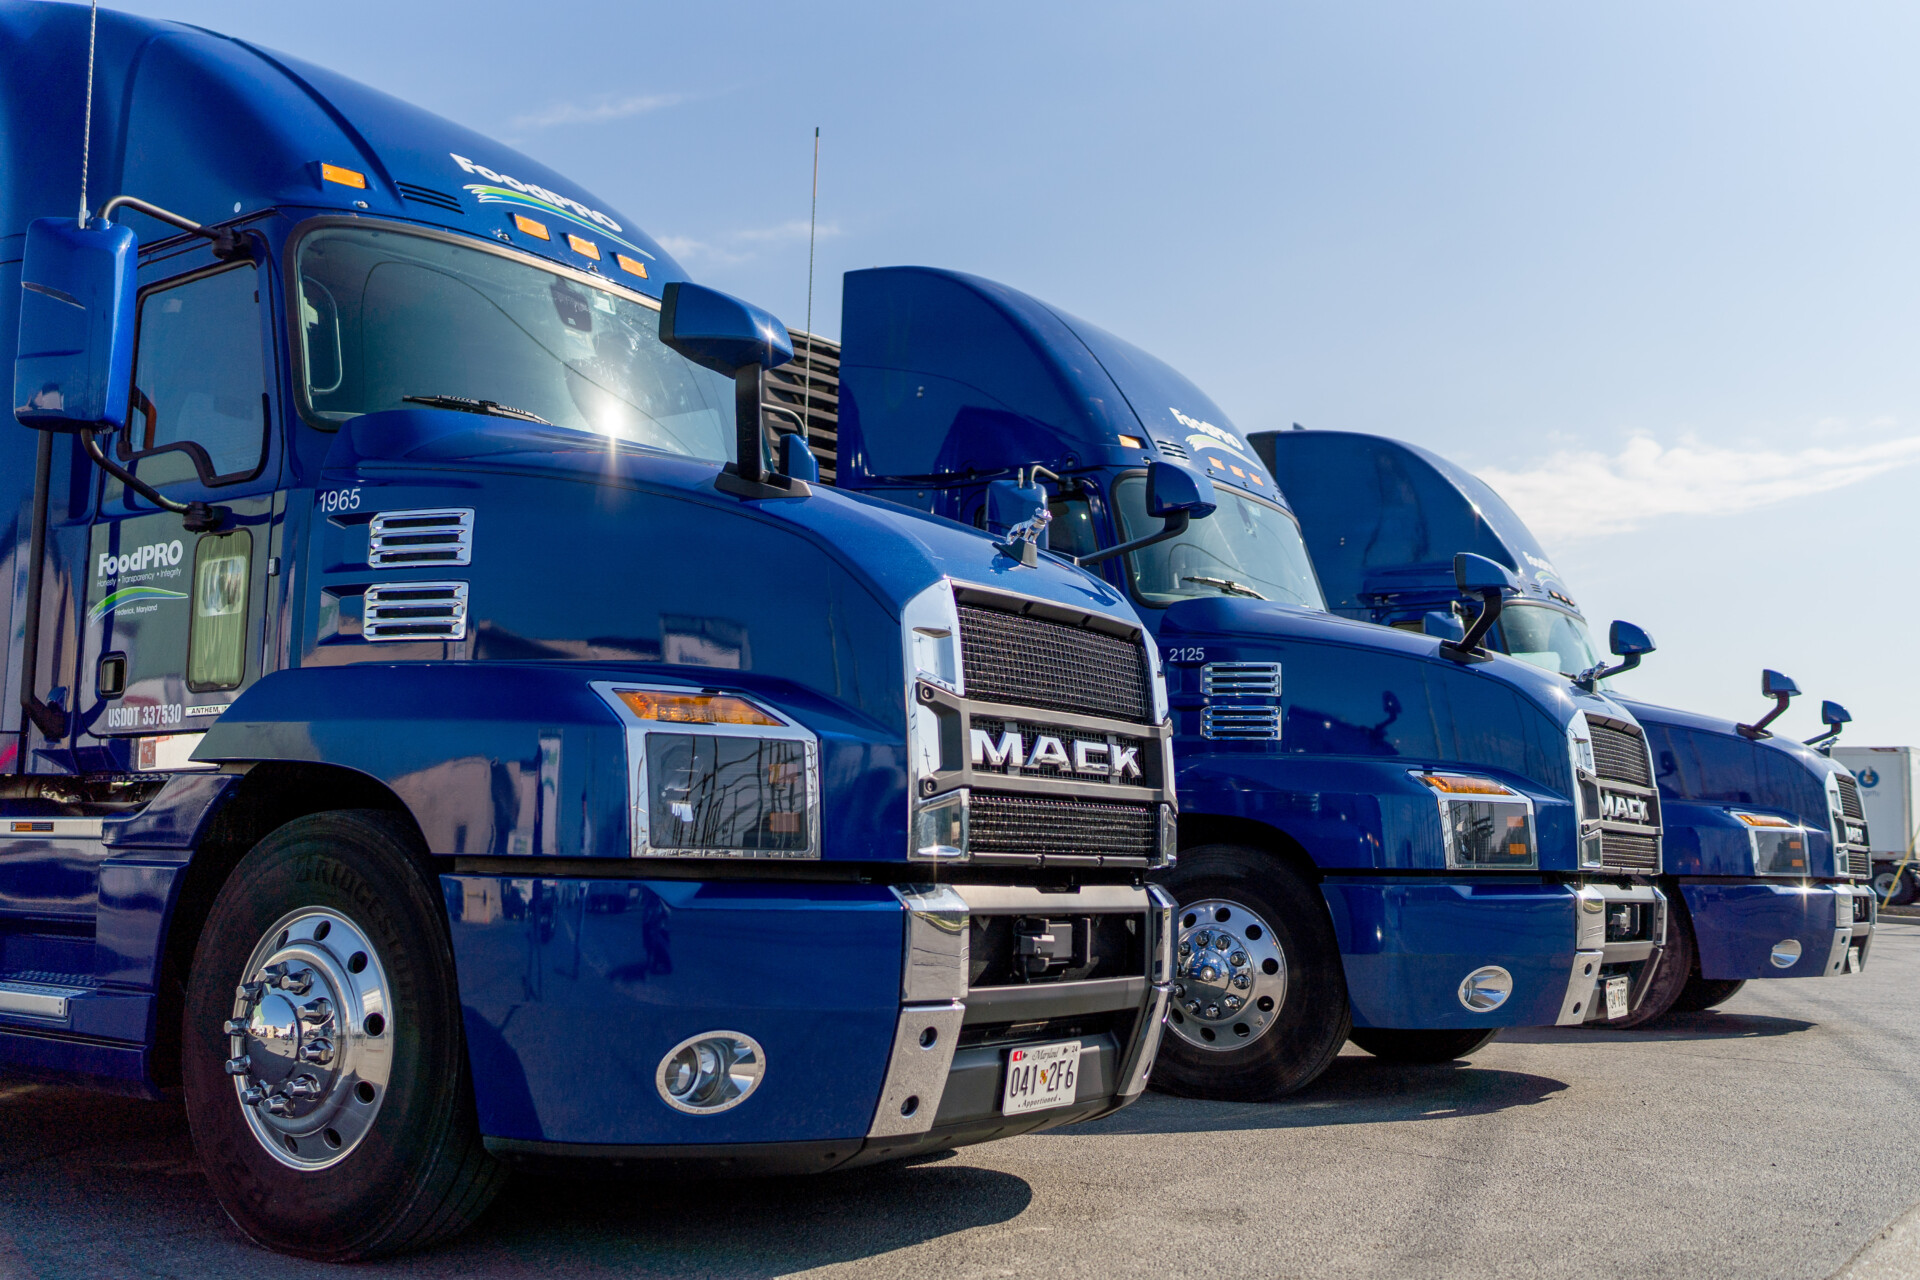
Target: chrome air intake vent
1859,864
1620,755
1630,851
435,537
428,196
1240,680
1850,797
1240,723
1023,660
1024,826
1169,449
416,611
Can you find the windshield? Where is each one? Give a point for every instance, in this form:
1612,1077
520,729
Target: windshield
1547,638
386,315
1245,548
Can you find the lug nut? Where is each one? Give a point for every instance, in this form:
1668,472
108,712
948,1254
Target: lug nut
254,1095
251,991
1200,939
1180,990
282,976
239,1066
318,1009
1213,1011
1232,1003
235,1026
1186,948
277,1104
1193,1007
303,1087
1239,958
1242,981
318,1051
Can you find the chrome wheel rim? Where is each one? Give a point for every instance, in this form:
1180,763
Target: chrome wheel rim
1230,976
310,1038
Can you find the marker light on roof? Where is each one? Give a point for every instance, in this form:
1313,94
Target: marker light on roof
1131,442
586,248
632,266
538,230
345,177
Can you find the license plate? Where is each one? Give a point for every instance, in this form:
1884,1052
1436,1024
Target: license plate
1853,959
1616,997
1041,1076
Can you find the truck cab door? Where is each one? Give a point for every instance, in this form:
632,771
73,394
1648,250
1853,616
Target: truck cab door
174,619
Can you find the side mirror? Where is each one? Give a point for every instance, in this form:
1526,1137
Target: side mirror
1782,691
1833,715
797,460
1492,582
1173,488
720,332
1010,504
1443,625
74,365
1628,641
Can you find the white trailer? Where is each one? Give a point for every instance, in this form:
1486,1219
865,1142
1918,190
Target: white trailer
1889,782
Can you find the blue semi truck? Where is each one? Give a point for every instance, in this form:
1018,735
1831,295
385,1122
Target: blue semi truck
1383,837
439,732
1766,857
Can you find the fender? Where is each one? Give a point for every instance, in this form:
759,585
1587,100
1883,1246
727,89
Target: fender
1349,814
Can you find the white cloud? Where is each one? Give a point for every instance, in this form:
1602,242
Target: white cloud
734,247
1586,493
598,112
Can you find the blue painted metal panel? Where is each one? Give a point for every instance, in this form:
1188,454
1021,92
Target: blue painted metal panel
1407,945
1736,926
574,990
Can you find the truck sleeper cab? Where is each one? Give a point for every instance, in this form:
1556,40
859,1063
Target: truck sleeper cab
1375,839
434,741
1765,852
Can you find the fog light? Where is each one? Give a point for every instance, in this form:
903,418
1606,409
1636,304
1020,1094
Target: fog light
1486,989
710,1072
1786,953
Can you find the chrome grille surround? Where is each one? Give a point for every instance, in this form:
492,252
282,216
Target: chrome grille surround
1848,822
1619,805
1047,725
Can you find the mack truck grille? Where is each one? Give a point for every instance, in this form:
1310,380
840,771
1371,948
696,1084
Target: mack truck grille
1036,662
1628,805
1091,756
1021,826
1850,797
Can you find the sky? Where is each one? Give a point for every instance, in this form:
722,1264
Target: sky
1648,268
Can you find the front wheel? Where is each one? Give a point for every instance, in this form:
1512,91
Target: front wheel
1421,1046
1259,1005
321,1049
1893,890
1701,994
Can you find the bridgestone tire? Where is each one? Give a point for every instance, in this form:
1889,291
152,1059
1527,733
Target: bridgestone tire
421,1173
1311,1025
1678,964
1421,1046
1701,994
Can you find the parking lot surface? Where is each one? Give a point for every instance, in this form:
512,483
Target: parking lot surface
1774,1136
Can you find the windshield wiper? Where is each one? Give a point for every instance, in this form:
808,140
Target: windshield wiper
466,404
1227,585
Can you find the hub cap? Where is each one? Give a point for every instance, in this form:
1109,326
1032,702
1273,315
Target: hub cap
310,1041
1229,978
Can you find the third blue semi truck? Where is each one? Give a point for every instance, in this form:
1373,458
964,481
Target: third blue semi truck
1383,836
1766,857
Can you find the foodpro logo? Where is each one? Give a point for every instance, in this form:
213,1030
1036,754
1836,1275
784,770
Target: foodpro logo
1615,808
501,188
1012,750
155,555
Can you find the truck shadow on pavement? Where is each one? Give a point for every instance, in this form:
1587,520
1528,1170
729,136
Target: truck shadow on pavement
93,1185
1356,1089
1710,1025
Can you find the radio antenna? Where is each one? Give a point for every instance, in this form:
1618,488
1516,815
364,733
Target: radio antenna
813,219
86,121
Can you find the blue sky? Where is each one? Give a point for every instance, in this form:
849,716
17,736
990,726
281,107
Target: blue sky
1649,268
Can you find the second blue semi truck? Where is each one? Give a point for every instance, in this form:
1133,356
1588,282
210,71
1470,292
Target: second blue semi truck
1766,857
439,734
1383,836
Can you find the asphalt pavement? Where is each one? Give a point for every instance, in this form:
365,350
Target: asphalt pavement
1774,1136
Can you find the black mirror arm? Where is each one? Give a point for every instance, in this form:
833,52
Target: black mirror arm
1822,741
199,517
1492,601
1175,526
1758,729
49,719
1601,671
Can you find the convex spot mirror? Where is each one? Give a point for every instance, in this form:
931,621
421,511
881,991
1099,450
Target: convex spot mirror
1443,625
73,367
1628,641
1834,715
1010,503
1476,575
720,332
1775,685
1172,488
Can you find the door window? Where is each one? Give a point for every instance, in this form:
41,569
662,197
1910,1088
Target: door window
199,379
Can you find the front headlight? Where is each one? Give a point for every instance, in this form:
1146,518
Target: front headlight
1485,825
716,775
1779,846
